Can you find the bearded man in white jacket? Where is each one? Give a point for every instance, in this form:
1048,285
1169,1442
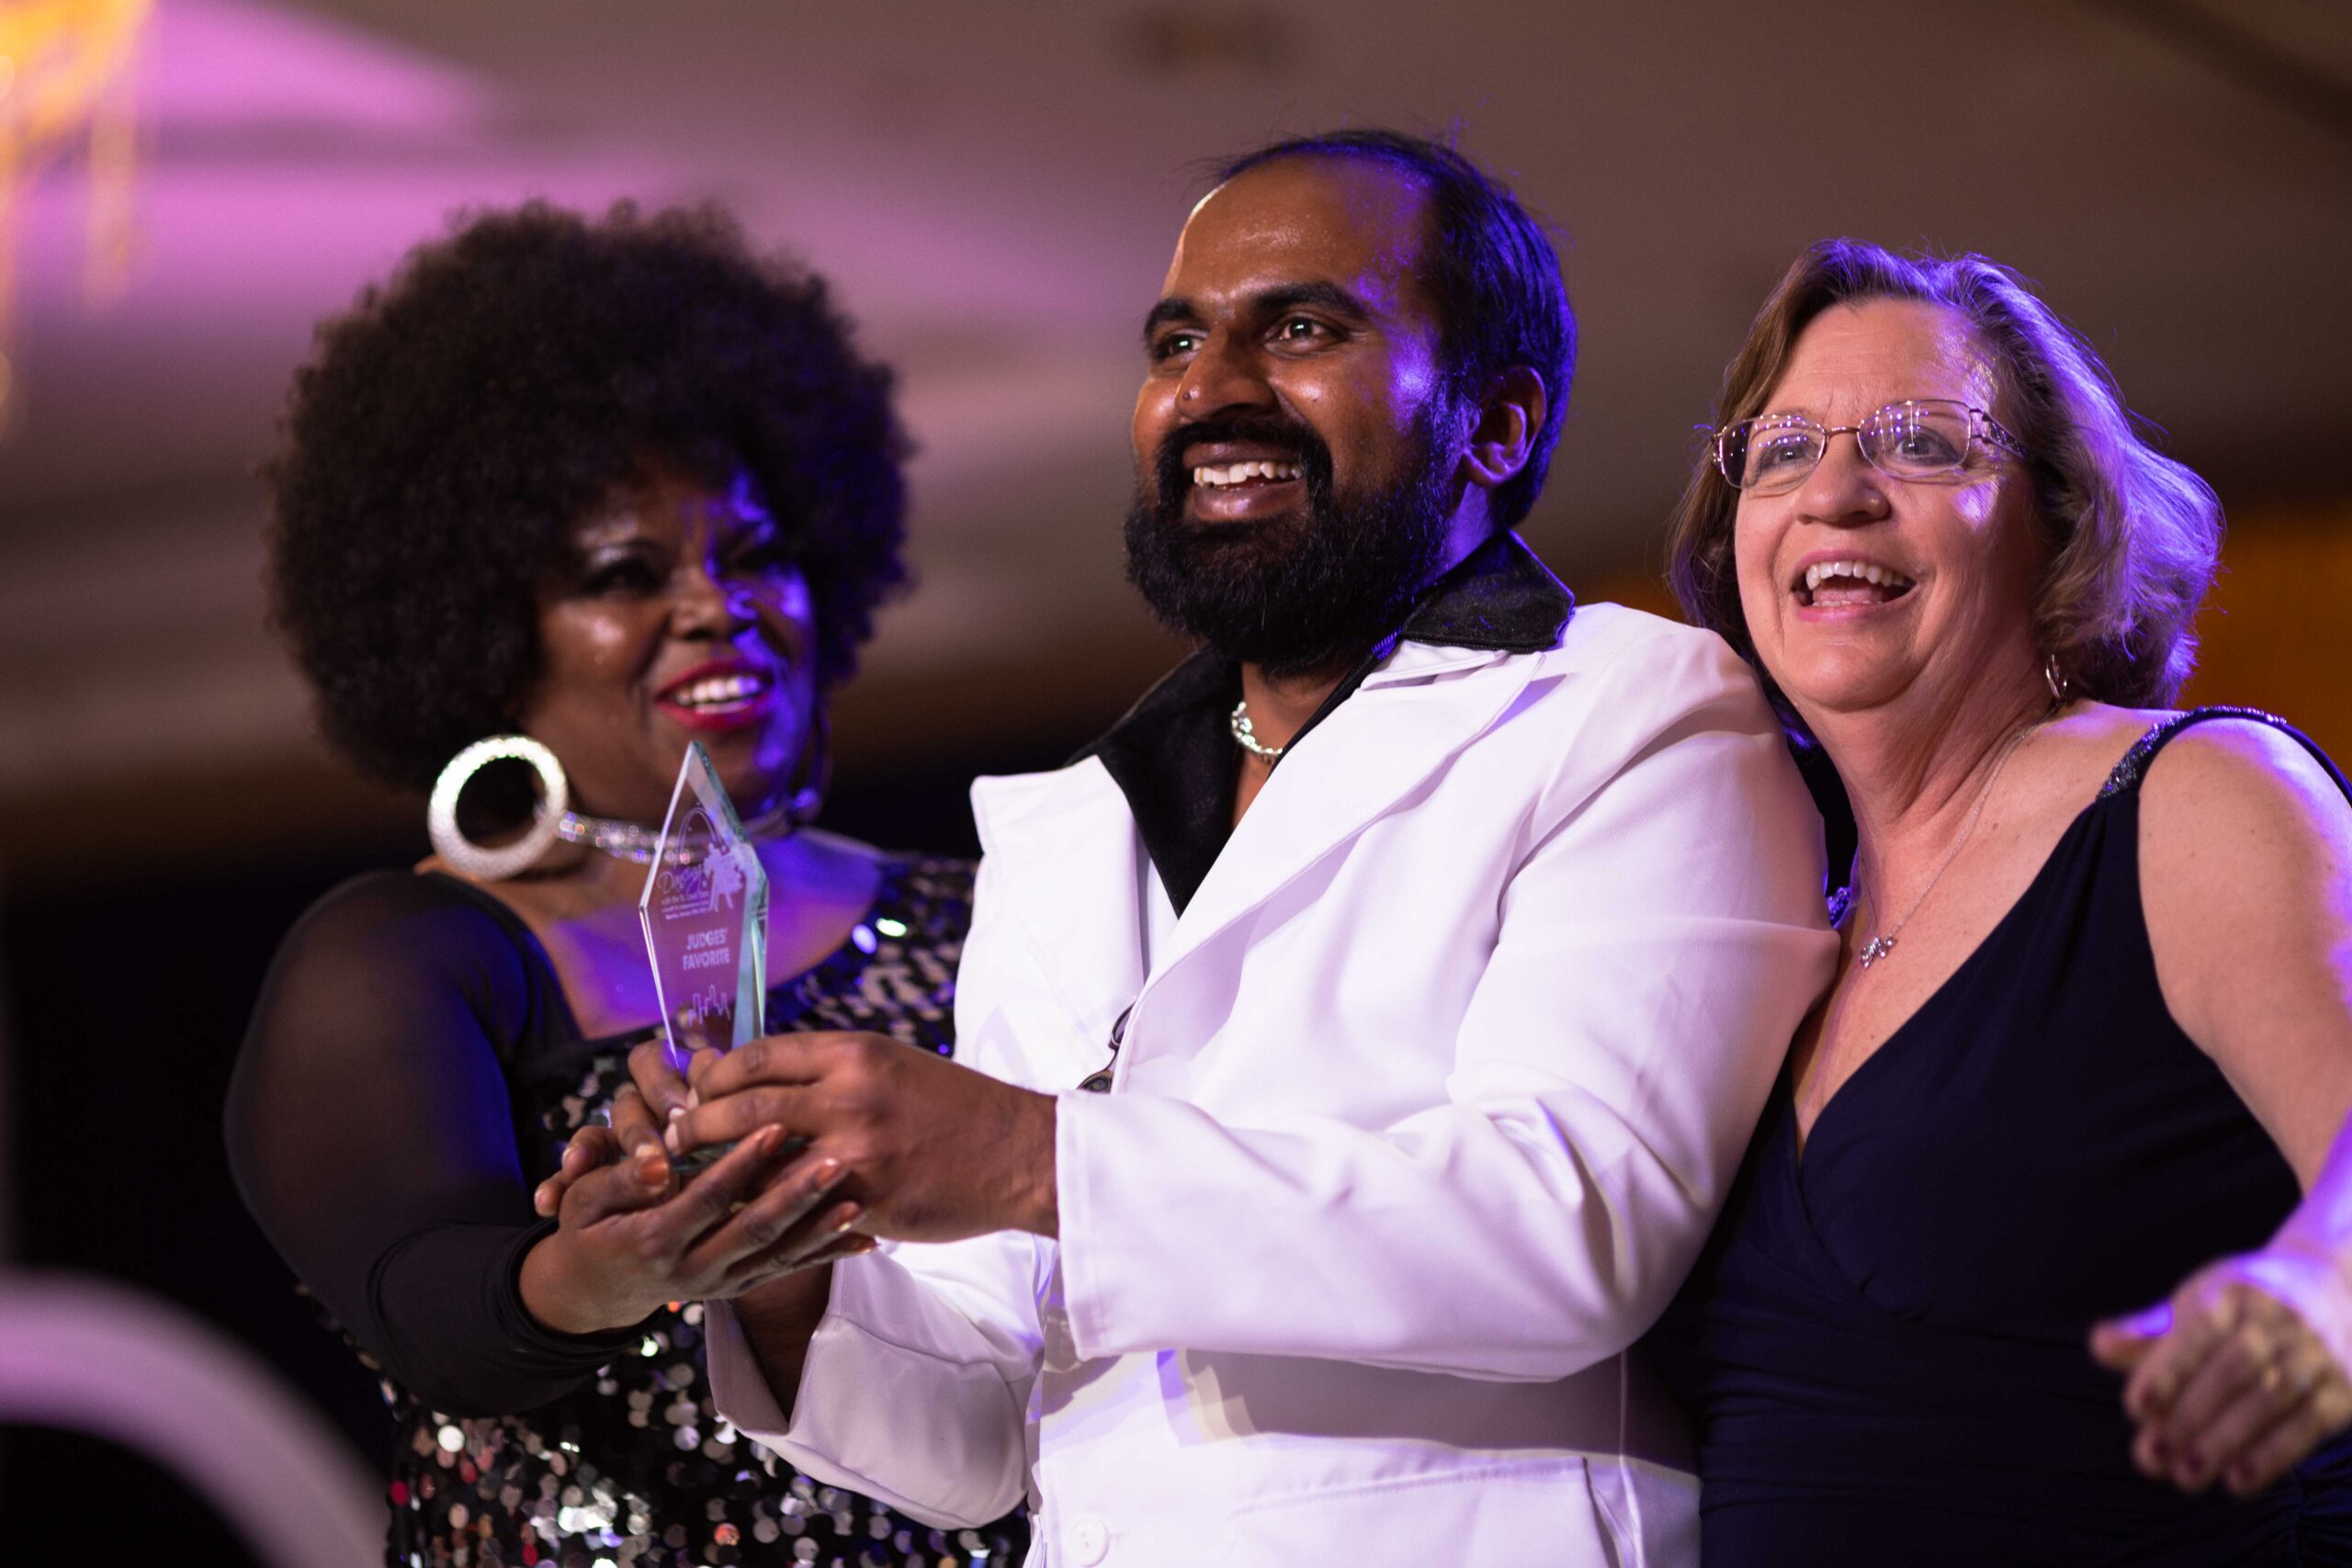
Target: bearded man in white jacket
1356,1043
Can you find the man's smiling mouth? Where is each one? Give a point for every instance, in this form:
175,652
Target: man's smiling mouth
1225,476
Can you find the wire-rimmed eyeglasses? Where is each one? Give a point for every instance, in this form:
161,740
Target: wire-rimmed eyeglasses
1919,438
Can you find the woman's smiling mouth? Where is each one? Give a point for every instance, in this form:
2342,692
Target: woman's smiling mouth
1847,583
721,696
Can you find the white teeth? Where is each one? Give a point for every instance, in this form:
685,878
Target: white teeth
719,691
1242,473
1821,571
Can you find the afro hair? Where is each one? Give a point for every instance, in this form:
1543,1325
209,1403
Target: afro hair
459,419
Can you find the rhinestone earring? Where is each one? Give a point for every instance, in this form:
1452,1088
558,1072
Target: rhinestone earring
450,840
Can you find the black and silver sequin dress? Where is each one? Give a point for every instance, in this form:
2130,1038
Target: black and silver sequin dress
609,1450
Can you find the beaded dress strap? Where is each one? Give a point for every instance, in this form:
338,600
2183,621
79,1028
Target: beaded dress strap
2134,765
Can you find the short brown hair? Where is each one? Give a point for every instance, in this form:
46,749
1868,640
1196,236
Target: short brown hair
2134,535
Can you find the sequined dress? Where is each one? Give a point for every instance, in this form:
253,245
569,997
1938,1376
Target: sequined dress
614,1453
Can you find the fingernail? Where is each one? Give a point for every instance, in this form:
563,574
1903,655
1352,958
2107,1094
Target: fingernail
851,1219
670,1137
827,1169
676,1111
651,1169
693,1099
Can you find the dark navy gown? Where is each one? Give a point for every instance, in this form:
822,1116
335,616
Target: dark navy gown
1882,1350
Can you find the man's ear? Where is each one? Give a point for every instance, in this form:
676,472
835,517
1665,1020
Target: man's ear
1510,417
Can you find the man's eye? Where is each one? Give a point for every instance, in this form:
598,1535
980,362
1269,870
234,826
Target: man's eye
1301,330
1170,345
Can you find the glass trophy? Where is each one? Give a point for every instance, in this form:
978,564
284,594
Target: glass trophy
704,910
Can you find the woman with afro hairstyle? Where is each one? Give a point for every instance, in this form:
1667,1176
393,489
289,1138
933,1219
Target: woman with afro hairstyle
595,491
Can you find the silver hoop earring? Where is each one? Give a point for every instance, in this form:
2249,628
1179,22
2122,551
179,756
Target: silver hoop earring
508,860
2059,685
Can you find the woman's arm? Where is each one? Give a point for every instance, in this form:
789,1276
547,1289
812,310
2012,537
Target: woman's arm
2245,848
369,1129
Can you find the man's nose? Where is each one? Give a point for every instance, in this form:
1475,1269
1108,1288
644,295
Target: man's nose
1224,374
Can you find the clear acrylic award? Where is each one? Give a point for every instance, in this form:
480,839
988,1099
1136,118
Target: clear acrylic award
706,915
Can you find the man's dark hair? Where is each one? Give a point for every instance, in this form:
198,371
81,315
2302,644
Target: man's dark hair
459,420
1496,279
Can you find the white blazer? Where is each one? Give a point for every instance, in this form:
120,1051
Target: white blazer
1423,1109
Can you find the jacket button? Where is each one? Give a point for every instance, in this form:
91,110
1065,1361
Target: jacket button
1089,1539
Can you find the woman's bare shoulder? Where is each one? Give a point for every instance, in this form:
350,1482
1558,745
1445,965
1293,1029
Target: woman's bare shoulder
2245,876
2241,769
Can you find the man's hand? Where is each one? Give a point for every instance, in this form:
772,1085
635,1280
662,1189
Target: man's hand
931,1151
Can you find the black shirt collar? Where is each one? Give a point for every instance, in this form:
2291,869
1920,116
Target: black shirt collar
1173,756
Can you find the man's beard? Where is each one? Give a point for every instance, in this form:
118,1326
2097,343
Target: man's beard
1296,594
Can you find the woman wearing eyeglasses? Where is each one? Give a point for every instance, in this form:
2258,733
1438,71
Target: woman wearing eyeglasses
2042,1251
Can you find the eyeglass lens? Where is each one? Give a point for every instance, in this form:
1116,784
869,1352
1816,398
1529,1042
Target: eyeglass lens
1907,440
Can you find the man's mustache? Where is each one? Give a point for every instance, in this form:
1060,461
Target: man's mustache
1173,476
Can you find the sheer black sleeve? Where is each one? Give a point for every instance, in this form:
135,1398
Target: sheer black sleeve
371,1134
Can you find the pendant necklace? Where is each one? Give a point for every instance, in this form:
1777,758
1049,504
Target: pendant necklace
1842,902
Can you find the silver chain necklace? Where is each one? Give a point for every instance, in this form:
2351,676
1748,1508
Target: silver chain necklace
1247,734
1842,904
633,843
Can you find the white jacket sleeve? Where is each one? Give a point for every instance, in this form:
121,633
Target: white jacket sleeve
916,1387
1658,945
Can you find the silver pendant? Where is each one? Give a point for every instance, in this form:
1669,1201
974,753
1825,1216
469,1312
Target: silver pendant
1878,947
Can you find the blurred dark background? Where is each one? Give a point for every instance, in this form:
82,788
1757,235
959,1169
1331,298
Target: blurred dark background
994,189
